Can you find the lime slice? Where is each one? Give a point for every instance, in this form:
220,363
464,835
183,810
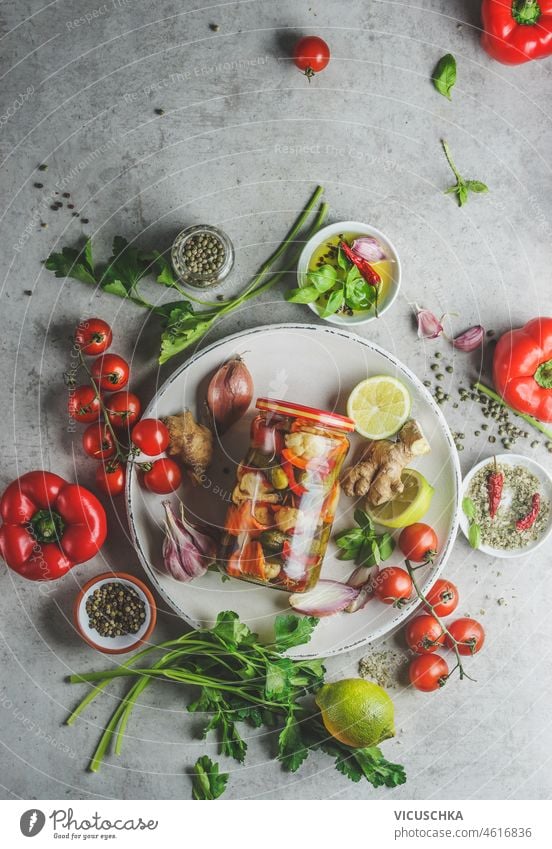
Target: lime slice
379,406
408,507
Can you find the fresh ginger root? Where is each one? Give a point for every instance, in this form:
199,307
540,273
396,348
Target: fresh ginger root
377,474
190,442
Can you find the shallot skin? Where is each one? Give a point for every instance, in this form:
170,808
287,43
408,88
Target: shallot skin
229,393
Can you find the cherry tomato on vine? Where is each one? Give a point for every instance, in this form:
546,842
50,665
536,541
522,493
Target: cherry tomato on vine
444,597
393,586
97,441
162,477
93,336
110,372
110,477
424,635
428,672
84,404
150,436
311,55
123,409
418,543
469,634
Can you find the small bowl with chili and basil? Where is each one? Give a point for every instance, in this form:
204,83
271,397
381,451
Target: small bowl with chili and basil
507,505
115,612
348,273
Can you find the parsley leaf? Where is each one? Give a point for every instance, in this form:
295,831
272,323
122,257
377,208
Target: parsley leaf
207,781
291,749
291,630
73,263
444,75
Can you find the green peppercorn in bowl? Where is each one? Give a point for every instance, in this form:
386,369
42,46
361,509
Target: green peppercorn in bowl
202,256
115,612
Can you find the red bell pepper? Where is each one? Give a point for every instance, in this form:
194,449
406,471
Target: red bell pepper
516,31
522,368
49,526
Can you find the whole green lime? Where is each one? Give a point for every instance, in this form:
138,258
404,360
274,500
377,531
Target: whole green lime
356,712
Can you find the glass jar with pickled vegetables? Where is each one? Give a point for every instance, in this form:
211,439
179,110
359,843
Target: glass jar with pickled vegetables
283,504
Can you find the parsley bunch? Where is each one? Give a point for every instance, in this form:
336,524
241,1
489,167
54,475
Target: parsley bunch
183,325
239,680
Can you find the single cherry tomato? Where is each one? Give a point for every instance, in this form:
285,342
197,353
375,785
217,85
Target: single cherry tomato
423,634
444,597
428,672
162,476
110,372
123,409
93,336
311,54
419,543
393,586
469,634
150,436
98,442
84,404
110,477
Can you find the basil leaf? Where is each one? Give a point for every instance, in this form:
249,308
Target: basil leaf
462,194
342,260
474,535
303,295
323,279
363,519
476,186
335,301
468,507
386,546
444,75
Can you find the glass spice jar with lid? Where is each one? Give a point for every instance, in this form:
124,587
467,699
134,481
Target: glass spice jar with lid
202,256
279,524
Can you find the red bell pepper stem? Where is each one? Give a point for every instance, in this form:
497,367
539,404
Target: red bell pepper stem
296,488
368,271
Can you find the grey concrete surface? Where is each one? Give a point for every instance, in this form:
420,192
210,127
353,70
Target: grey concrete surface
242,142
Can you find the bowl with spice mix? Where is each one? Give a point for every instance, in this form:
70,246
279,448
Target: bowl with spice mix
348,273
115,612
506,506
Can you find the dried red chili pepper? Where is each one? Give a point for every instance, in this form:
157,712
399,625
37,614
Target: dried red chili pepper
368,271
495,484
529,520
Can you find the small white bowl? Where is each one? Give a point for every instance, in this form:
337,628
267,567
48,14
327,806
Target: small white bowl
546,484
126,642
360,229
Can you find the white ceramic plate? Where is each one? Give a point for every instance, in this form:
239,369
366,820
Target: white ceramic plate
546,489
317,366
361,317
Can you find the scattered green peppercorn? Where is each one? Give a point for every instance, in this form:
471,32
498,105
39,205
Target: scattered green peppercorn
492,438
42,167
450,369
439,376
434,366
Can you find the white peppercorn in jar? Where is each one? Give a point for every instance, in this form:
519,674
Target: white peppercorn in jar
202,255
